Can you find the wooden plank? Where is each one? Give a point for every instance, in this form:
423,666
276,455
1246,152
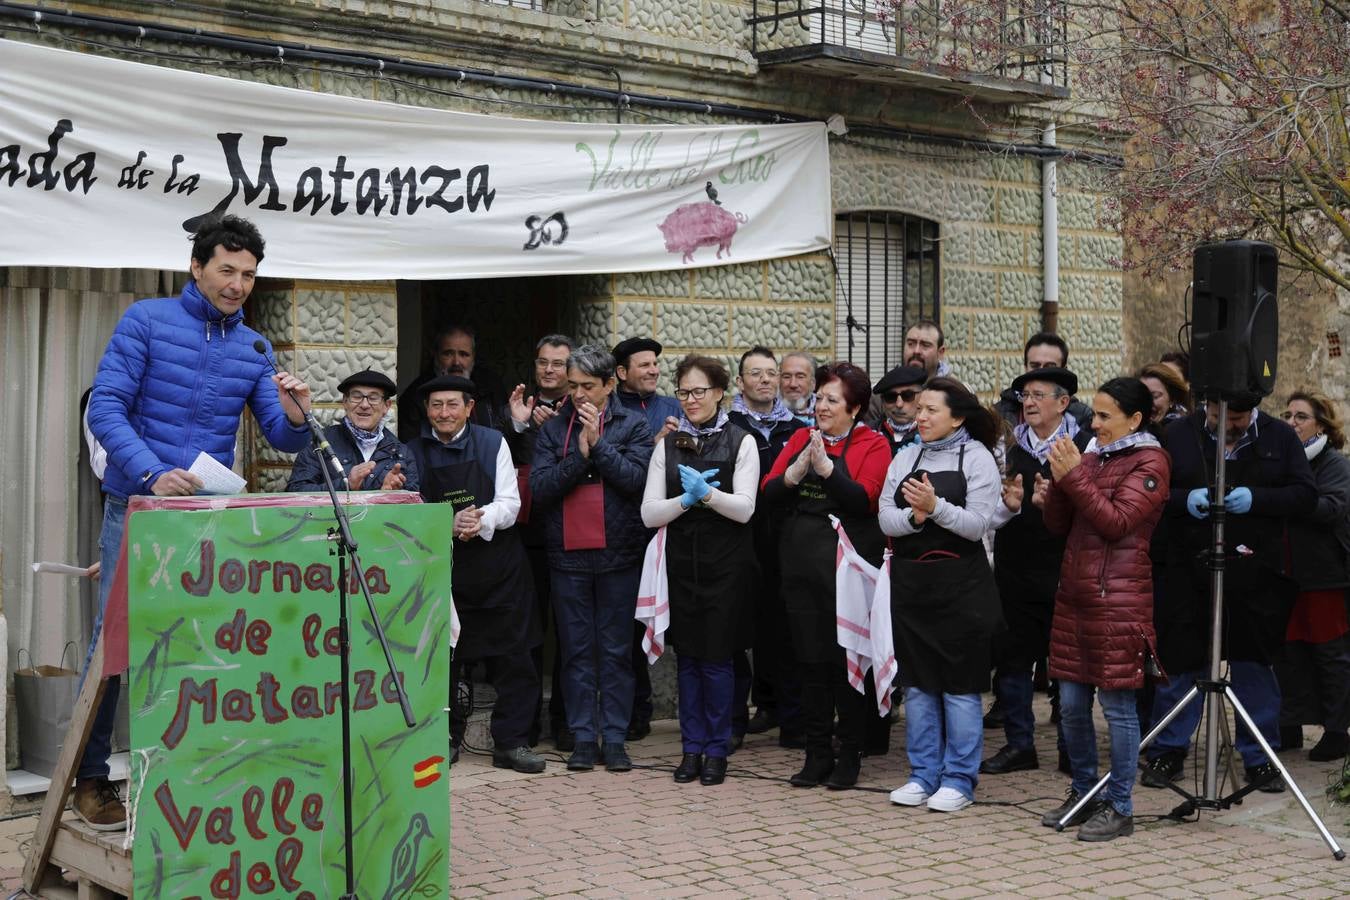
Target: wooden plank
90,890
89,861
49,821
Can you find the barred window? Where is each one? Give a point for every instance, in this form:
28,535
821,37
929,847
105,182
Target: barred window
886,269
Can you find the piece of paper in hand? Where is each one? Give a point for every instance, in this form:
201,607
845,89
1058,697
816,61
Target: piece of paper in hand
55,568
216,479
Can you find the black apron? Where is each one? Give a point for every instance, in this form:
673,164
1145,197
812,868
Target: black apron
710,560
944,605
490,581
1258,597
807,550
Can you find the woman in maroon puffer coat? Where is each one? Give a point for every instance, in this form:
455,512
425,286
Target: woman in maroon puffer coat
1107,500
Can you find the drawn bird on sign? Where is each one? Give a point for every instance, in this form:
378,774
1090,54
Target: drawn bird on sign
712,193
403,866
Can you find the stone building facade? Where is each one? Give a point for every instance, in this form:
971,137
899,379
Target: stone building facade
958,155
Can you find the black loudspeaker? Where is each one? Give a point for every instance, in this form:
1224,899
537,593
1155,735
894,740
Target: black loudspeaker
1235,326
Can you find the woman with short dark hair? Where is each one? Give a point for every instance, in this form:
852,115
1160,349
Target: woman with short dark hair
938,502
1107,501
1314,670
701,485
836,468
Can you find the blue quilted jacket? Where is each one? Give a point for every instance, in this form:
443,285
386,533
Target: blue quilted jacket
173,383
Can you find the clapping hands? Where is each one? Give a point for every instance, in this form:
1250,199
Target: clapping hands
696,485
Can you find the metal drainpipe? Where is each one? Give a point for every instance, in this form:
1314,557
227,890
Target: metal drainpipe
1049,236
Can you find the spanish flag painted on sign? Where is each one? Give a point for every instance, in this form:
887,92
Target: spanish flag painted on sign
428,771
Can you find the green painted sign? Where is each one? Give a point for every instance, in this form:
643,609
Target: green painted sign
236,723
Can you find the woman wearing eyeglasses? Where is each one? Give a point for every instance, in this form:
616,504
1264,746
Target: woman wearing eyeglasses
1314,671
938,502
701,485
836,468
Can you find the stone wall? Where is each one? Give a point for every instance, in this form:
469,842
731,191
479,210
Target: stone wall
323,331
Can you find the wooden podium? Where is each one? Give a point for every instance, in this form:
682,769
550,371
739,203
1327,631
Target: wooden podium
405,543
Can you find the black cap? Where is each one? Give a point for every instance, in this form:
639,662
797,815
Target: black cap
626,348
901,376
369,378
1053,374
449,383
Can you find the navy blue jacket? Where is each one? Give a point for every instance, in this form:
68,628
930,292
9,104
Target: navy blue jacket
1275,469
306,473
618,461
173,383
656,408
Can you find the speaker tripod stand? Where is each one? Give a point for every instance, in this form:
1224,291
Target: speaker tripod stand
1216,688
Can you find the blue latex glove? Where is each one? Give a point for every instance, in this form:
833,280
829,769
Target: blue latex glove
696,485
1197,503
1238,501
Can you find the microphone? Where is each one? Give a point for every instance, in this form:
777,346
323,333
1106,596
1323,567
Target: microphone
316,430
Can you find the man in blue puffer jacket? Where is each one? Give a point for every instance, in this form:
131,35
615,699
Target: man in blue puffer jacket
172,384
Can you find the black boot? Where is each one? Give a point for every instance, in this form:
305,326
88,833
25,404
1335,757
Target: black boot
1291,737
818,766
691,765
1333,745
845,774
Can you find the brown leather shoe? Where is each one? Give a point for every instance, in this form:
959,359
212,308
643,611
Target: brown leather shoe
96,802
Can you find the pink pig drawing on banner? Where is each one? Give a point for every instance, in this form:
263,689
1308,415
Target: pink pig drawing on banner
694,225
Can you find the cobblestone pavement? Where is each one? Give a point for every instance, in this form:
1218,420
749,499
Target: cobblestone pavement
598,834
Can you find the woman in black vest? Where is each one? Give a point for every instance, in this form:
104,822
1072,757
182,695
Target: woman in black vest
701,486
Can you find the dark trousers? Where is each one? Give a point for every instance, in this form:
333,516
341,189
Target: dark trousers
543,595
594,616
776,687
706,690
513,677
825,691
740,706
642,678
1315,684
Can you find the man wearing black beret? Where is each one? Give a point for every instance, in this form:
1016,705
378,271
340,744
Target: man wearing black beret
899,392
638,374
371,456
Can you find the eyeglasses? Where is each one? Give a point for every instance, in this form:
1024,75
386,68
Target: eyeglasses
559,364
697,393
1038,396
1298,417
356,398
892,396
762,373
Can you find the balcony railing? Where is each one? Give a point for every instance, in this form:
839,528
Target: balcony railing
1009,50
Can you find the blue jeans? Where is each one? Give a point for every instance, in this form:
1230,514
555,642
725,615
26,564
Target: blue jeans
94,764
1014,689
1257,690
594,617
706,692
1080,740
944,736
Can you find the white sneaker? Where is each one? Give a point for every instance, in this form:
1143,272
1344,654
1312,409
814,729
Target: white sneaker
911,794
948,800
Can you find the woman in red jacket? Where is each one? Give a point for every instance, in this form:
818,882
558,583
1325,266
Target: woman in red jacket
1107,501
836,468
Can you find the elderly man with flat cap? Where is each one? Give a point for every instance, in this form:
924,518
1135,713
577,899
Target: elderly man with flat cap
371,455
899,392
1027,557
469,466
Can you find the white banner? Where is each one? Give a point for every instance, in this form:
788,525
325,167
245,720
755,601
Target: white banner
108,163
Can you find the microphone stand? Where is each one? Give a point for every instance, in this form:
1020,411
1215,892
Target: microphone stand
341,534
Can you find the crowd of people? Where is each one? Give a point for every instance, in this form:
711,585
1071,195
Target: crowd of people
1045,539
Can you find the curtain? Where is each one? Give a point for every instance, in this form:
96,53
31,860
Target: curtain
54,325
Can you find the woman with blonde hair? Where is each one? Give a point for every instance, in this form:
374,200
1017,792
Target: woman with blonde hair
1171,395
1314,671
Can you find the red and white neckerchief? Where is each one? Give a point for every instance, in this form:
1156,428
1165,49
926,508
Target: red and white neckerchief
653,600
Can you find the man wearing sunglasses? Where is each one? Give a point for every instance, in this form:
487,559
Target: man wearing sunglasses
372,457
899,392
